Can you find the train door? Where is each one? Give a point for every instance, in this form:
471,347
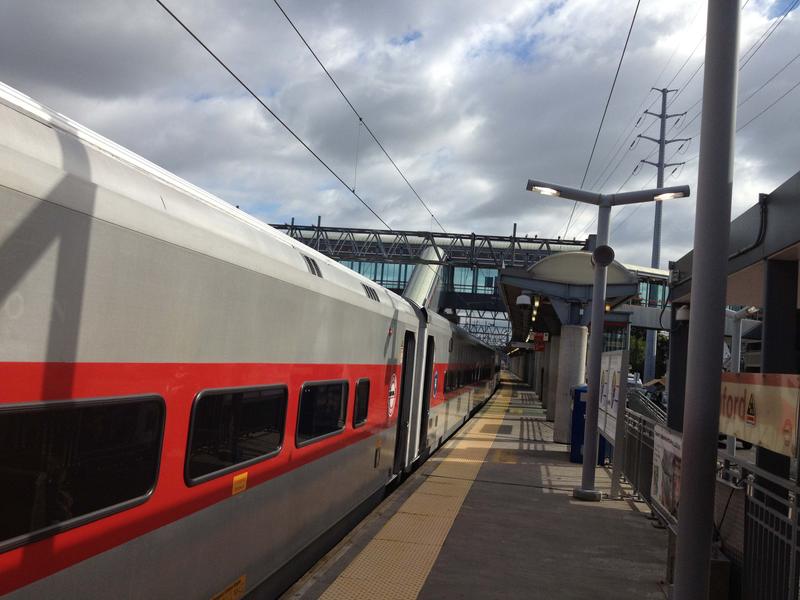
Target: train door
426,395
404,410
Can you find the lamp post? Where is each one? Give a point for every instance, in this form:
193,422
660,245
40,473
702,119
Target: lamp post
602,256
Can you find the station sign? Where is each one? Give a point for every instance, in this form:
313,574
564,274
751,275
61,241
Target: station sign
761,408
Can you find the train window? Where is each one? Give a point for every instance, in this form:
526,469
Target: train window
312,265
361,404
233,428
323,410
64,464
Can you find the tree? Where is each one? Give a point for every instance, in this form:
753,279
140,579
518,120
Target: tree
638,344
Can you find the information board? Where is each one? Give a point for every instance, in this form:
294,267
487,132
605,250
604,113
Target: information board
610,373
761,408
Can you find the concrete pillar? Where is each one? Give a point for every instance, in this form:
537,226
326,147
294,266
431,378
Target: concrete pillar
552,376
536,372
571,372
545,375
530,376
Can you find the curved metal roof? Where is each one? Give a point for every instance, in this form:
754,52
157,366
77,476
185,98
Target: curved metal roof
576,268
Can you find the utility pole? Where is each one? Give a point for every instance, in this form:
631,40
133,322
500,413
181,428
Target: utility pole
662,141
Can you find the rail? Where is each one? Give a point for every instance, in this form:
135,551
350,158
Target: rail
764,542
756,516
638,455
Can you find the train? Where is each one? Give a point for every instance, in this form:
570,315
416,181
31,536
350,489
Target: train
192,404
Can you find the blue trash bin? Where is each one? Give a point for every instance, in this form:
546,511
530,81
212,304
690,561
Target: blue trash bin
578,429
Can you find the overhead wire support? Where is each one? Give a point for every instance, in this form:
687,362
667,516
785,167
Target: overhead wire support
355,111
283,123
661,165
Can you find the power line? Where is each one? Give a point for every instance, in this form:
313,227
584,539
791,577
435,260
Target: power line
271,112
353,108
623,140
768,81
605,110
753,93
754,48
771,30
781,97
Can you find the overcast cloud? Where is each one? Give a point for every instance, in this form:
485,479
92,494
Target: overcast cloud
470,97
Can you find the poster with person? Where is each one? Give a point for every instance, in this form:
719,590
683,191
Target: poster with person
666,484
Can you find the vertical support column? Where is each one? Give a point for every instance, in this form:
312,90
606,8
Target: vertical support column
552,376
587,490
778,341
676,378
571,372
707,325
545,377
619,434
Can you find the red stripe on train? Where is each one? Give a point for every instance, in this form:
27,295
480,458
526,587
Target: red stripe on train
177,384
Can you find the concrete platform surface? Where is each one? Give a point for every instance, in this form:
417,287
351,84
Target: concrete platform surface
491,515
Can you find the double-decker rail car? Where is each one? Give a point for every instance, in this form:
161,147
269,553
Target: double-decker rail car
190,401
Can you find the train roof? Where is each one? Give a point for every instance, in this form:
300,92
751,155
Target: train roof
135,193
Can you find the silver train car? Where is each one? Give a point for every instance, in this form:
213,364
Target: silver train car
192,404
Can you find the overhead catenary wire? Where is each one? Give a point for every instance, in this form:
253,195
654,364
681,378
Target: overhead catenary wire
605,110
258,99
355,111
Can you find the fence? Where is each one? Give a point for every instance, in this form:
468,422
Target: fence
756,521
638,455
770,558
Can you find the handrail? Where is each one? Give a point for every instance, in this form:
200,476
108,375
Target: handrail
790,486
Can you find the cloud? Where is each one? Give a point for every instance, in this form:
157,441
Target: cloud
471,98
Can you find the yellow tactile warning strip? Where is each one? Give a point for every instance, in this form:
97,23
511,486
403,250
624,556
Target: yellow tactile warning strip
398,560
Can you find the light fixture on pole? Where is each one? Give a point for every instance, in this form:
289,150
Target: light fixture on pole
602,256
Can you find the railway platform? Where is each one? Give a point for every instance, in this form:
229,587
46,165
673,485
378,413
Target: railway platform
491,515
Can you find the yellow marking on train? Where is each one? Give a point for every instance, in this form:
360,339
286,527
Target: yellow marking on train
239,483
397,561
235,590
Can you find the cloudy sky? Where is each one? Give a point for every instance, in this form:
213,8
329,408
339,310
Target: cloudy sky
470,97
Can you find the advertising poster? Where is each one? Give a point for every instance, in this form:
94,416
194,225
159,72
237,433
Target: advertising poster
666,486
609,393
761,408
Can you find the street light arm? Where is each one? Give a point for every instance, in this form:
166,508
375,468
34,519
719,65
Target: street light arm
678,191
552,189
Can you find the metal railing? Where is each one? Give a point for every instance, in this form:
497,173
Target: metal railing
640,402
770,562
638,456
762,538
